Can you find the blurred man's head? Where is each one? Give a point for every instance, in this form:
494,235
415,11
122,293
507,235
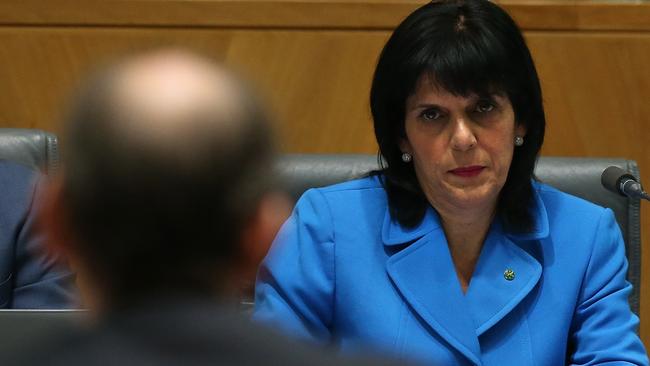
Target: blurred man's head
167,165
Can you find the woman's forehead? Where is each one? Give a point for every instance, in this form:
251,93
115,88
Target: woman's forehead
459,85
427,88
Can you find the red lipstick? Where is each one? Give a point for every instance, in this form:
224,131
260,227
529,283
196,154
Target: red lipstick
467,171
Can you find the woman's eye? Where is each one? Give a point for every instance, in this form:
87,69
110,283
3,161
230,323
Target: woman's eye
430,114
484,107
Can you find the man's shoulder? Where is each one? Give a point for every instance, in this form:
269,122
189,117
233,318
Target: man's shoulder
16,184
17,192
15,172
200,336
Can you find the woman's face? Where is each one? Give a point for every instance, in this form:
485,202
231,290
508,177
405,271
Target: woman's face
461,146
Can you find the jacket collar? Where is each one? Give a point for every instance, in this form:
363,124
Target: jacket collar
424,274
393,233
541,229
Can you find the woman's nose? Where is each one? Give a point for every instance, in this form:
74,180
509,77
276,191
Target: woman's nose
462,135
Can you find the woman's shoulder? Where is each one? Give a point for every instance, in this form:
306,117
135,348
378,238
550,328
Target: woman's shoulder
342,199
565,216
559,202
371,182
364,186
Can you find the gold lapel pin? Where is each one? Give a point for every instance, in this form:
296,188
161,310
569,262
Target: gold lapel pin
509,274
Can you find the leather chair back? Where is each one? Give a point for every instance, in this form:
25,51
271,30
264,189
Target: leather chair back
34,148
577,176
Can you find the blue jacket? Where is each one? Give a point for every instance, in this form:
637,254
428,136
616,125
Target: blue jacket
28,277
342,271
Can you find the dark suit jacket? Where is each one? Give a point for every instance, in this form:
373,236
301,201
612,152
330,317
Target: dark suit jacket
28,277
181,332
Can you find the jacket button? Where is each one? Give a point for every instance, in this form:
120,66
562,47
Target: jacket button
509,274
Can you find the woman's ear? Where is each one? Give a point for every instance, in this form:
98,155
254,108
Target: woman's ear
405,146
520,130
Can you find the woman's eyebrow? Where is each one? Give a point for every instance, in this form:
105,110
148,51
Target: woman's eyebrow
426,105
493,94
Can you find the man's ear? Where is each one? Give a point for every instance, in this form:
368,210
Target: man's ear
272,211
62,241
54,219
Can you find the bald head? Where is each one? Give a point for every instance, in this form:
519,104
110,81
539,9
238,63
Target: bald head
172,84
177,102
167,156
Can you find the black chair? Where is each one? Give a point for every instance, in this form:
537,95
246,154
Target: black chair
577,176
34,148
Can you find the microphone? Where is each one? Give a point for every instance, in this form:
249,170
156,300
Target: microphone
619,181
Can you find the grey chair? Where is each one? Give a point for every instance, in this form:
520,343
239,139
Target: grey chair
34,148
577,176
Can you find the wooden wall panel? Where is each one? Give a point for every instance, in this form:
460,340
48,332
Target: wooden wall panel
316,81
312,14
596,89
313,61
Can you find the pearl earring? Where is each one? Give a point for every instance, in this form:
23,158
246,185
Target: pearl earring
406,157
519,140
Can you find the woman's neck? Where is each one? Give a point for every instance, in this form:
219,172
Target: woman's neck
465,233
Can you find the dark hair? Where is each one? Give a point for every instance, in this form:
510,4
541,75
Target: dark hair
466,46
152,220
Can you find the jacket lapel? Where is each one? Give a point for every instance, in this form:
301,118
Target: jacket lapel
492,292
425,276
491,296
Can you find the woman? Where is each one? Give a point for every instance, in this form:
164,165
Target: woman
452,254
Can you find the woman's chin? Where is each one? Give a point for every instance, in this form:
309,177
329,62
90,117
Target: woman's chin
479,198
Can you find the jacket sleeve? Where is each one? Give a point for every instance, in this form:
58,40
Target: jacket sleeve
604,327
295,284
40,281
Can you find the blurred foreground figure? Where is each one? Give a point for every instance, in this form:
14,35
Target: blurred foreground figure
165,201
